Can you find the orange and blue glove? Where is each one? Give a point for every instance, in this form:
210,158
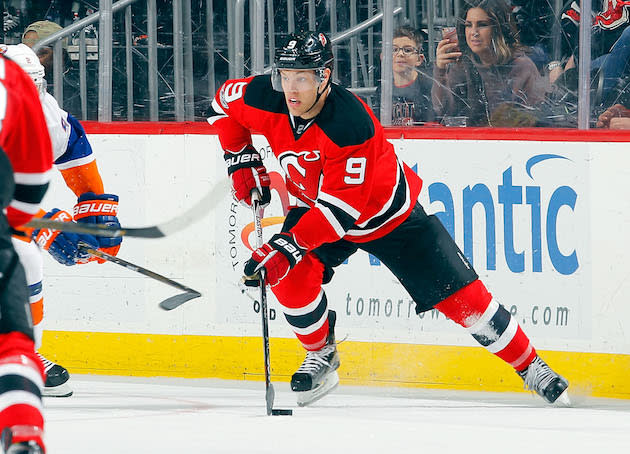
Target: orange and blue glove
63,246
94,208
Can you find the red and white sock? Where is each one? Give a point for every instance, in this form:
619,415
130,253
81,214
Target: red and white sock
21,381
304,302
490,324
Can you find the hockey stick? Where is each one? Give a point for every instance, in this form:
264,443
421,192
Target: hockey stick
190,216
270,394
169,303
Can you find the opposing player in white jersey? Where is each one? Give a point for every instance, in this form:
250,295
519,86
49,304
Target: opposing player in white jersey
73,157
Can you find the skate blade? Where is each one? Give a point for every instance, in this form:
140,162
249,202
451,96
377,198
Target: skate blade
62,390
563,399
305,398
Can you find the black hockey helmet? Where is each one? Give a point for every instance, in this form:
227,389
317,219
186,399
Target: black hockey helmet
303,50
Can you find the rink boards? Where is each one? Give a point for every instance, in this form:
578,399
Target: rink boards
542,218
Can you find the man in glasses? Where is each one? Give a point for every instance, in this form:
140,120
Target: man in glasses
411,93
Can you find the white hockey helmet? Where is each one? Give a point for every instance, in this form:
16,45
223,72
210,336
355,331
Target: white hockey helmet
28,61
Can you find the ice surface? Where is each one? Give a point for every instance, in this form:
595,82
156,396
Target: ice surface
140,415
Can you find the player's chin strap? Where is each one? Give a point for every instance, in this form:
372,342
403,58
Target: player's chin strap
319,95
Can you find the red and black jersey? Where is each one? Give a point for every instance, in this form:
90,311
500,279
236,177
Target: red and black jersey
24,138
338,163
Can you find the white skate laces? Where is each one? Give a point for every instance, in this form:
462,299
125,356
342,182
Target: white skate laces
539,375
316,359
549,385
48,364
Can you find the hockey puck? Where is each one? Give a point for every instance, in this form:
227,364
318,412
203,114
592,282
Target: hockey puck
281,412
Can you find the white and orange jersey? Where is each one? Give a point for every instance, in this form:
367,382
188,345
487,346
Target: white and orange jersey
57,123
72,152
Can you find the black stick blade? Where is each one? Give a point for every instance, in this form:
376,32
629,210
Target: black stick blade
177,300
281,412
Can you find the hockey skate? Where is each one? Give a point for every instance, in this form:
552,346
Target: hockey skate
22,440
57,379
317,376
549,385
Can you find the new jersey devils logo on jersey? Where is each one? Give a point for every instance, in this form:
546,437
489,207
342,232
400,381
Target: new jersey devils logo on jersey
303,169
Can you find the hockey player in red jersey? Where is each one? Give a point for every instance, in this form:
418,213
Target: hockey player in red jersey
353,193
25,163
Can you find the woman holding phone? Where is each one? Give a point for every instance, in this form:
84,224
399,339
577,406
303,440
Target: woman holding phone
484,66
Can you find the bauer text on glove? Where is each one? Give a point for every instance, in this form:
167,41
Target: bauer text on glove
94,208
277,256
63,246
247,173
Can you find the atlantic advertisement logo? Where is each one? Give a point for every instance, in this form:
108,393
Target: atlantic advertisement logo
510,197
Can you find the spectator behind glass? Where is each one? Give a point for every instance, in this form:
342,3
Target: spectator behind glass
610,47
534,21
411,93
615,117
71,95
484,68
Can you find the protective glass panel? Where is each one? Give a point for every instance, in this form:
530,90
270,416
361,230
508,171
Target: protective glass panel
458,63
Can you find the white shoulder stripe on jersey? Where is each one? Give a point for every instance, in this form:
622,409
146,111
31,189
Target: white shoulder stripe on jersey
332,220
339,204
75,162
218,110
32,179
30,208
400,212
389,203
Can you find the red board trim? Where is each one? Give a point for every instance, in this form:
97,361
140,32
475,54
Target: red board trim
427,133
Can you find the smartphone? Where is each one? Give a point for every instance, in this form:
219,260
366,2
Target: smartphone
449,33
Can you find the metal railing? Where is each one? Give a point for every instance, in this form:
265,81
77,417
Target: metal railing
104,18
161,77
